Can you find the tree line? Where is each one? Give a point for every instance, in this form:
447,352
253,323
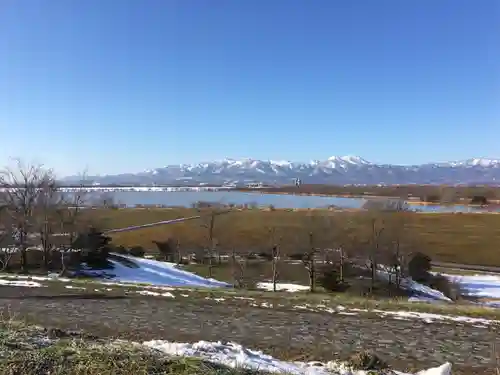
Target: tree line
332,252
42,227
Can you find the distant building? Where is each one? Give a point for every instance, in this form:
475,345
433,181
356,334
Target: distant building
255,185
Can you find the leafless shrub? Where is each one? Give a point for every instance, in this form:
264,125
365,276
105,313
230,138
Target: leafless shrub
377,226
449,288
22,185
275,254
71,220
49,201
309,262
167,249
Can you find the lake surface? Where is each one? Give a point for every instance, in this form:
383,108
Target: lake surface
188,198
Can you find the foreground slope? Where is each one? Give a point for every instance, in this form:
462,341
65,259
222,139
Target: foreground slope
32,350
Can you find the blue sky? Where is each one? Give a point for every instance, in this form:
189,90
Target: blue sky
117,86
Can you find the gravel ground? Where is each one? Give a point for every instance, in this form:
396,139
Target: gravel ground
298,335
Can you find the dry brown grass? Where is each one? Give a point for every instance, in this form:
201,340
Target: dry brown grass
461,238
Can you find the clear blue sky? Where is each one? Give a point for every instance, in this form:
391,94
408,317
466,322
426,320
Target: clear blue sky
127,85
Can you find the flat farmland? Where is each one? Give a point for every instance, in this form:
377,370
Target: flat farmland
460,238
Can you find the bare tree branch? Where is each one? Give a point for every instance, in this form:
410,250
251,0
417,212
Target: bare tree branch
22,186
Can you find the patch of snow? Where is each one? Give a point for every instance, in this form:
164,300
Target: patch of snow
423,299
494,304
156,294
129,269
75,287
431,318
418,289
49,277
486,286
282,287
22,283
406,315
215,299
236,356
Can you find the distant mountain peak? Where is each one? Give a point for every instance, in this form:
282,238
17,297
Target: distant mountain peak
348,169
352,159
473,162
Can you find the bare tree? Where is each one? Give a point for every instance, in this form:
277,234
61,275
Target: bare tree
309,262
377,228
71,219
448,194
22,185
6,254
208,222
237,270
49,199
341,238
178,250
5,237
275,254
167,249
401,242
6,250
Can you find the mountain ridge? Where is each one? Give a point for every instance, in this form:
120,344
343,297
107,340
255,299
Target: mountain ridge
349,169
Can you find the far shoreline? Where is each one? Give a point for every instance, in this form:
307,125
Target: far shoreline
413,202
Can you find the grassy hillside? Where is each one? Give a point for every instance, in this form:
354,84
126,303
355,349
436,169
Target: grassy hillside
461,238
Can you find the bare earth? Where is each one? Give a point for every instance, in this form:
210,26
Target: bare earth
298,335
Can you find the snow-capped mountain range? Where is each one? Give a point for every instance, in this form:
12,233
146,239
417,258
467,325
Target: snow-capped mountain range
334,170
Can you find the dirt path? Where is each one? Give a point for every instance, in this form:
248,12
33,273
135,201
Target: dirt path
283,333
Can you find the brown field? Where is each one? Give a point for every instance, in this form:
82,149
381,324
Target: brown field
461,238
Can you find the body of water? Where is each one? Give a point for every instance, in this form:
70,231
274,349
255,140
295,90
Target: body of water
188,198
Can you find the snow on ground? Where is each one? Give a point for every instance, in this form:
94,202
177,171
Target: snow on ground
129,269
423,290
282,287
155,294
236,356
423,299
399,315
418,290
25,283
431,318
483,286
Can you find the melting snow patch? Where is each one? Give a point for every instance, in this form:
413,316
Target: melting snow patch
423,299
400,315
74,287
51,276
25,283
215,299
486,286
236,356
282,287
156,294
245,298
129,269
418,289
430,318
